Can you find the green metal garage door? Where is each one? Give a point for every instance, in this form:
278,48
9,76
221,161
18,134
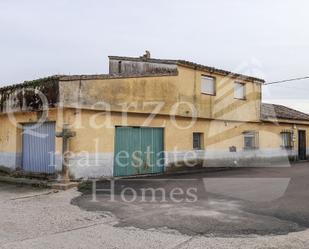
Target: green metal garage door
138,150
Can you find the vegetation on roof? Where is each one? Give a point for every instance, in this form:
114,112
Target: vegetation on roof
23,96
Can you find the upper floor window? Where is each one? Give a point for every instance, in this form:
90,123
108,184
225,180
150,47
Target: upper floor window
239,90
251,140
287,139
208,85
197,141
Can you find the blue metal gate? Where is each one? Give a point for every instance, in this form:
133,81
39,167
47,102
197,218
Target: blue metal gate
39,148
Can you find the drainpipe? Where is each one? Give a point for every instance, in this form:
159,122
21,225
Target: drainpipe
294,141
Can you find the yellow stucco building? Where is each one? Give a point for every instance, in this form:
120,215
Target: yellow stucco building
146,116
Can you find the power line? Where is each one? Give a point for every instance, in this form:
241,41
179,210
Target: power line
294,88
282,81
297,89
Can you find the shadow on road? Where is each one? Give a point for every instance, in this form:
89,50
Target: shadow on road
225,203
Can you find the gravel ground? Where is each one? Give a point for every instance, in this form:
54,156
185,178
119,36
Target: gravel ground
32,218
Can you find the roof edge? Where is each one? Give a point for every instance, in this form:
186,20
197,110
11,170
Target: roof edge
191,65
115,76
278,114
30,82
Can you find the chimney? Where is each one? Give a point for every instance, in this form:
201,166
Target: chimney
146,55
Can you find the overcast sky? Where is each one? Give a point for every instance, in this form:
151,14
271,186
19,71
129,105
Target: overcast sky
268,39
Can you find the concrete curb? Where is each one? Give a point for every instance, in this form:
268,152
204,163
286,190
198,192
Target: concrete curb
38,183
25,181
164,174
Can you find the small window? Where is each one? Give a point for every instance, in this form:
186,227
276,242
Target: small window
197,141
251,141
286,139
208,85
239,91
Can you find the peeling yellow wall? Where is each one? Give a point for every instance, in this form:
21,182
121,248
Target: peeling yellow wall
218,135
11,128
222,105
139,92
95,132
118,92
222,118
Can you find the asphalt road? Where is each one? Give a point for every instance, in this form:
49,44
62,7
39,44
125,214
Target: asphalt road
243,201
40,218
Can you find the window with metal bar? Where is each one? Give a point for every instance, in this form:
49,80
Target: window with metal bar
251,140
197,141
286,137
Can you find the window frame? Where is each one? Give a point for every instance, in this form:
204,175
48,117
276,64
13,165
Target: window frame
255,135
244,87
201,140
214,87
283,146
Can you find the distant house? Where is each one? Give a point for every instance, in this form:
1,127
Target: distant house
202,116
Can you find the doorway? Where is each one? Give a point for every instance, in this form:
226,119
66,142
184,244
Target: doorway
302,145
